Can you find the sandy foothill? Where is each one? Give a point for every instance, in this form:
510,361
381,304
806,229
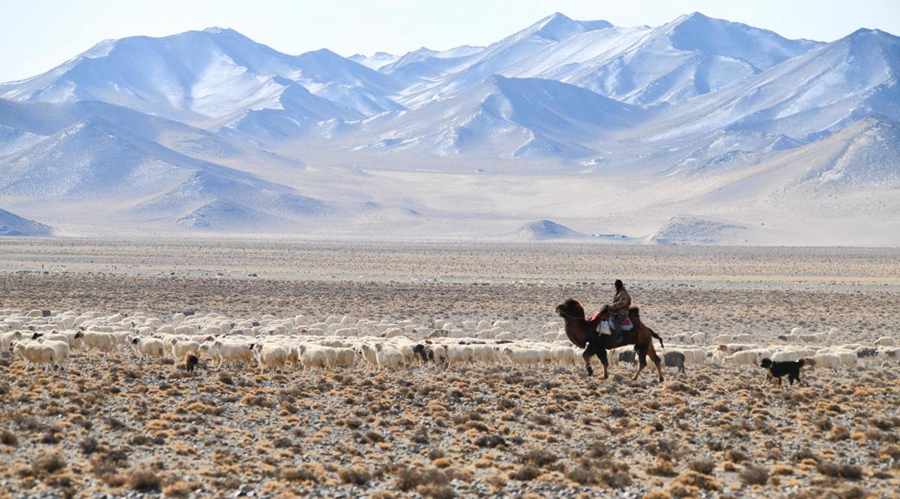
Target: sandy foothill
111,426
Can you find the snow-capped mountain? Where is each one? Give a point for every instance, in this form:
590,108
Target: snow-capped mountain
510,116
700,130
198,76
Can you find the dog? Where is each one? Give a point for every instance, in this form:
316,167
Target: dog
190,361
778,369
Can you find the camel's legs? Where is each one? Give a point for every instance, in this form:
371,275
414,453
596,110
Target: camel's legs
655,358
601,354
642,362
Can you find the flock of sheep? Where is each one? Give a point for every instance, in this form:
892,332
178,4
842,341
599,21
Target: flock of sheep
46,339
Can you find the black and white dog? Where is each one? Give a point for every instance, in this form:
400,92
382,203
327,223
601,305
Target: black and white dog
779,369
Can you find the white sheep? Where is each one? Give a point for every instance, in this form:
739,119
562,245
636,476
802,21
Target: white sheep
62,351
148,347
227,351
388,357
270,355
346,357
6,339
521,356
181,347
103,342
36,354
885,341
825,360
460,354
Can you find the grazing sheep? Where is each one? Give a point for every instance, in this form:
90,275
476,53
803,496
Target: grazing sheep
6,339
346,357
148,347
520,356
269,355
103,342
675,359
180,348
388,357
825,360
314,357
459,354
62,351
627,356
36,354
885,341
227,351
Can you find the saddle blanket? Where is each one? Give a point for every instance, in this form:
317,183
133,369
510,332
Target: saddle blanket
605,327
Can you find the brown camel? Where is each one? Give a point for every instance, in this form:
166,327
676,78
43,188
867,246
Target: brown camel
583,333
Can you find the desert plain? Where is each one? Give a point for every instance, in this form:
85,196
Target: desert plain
111,426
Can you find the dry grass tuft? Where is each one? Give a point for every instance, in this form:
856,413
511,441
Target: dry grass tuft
298,475
662,467
704,466
693,479
526,473
355,475
848,471
48,462
8,438
144,480
754,475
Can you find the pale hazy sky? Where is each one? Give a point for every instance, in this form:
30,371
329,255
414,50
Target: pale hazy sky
36,35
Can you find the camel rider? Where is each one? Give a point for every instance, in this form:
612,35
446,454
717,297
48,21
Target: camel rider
619,308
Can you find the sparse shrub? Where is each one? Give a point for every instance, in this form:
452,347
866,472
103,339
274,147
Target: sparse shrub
840,433
598,449
847,471
179,489
539,457
736,456
891,451
662,467
541,419
704,466
692,478
88,445
754,475
48,462
298,475
582,475
490,441
823,424
615,474
805,454
355,475
8,438
143,479
526,473
408,478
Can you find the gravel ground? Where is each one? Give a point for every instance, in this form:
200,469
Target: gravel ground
113,427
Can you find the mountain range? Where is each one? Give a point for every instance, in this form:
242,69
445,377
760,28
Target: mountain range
700,131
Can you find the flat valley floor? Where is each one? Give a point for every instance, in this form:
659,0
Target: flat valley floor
113,426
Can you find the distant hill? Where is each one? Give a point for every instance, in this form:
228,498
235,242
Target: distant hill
14,225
